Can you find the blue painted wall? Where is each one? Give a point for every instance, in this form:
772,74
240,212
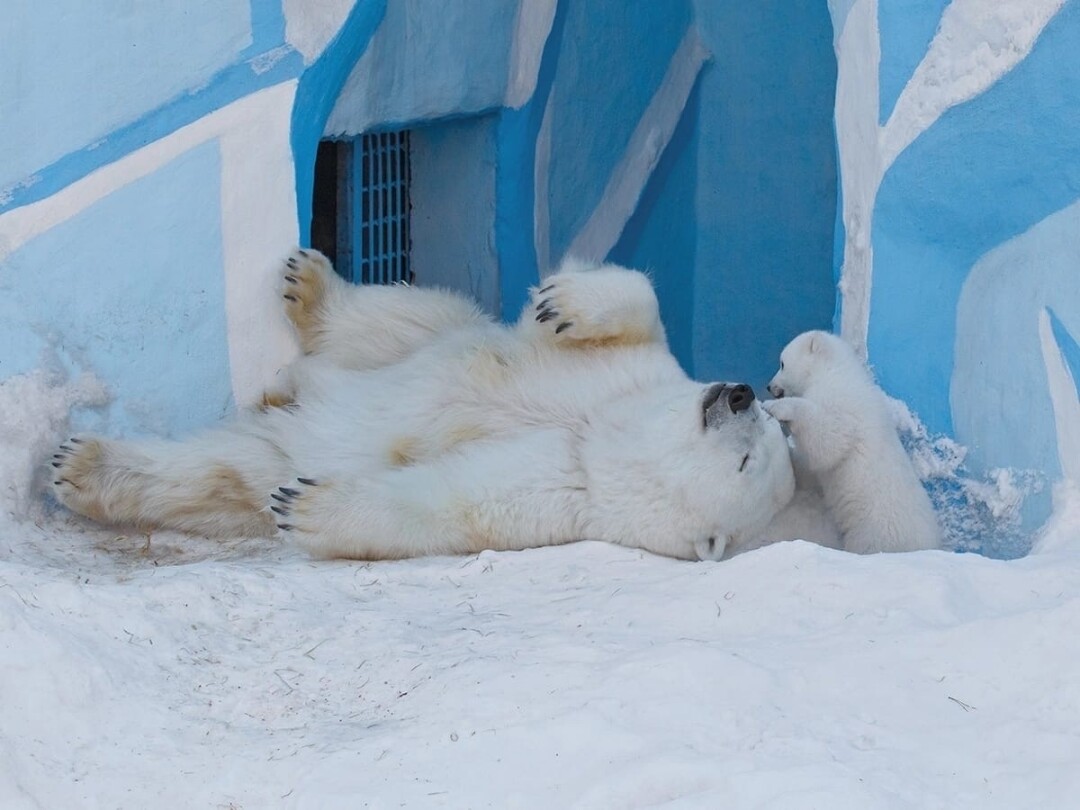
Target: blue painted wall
766,190
72,72
614,55
661,237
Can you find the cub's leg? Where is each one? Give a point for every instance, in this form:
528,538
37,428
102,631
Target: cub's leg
213,484
370,326
586,305
514,494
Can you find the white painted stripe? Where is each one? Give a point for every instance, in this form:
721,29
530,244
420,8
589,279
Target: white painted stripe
532,27
259,226
651,135
258,229
1065,399
857,101
542,198
977,42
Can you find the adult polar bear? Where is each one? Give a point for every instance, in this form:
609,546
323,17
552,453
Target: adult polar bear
419,426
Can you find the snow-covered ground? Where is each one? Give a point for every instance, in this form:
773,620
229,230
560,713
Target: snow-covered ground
184,673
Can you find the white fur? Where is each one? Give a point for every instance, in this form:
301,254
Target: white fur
429,429
845,436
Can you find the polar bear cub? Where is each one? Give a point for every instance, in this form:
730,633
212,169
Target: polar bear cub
844,435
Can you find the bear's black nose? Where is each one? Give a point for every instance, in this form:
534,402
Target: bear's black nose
740,398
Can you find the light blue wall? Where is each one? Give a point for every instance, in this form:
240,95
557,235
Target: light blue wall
975,231
73,71
987,171
132,289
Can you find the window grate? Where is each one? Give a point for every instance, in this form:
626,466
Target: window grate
361,207
382,249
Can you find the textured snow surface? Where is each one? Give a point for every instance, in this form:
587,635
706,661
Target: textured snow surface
194,675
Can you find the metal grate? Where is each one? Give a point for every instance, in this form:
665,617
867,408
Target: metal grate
361,207
381,253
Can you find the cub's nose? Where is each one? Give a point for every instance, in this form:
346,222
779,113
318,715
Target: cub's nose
740,398
776,390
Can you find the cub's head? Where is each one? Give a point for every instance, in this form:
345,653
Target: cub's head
686,469
810,359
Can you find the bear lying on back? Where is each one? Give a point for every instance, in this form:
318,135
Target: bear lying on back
844,435
413,425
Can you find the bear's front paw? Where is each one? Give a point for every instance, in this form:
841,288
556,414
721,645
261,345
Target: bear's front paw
306,280
604,305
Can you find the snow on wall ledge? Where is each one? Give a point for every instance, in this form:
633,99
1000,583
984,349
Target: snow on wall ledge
960,175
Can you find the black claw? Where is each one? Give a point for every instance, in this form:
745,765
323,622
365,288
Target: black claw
291,279
280,511
288,297
65,447
543,304
77,441
291,262
279,498
59,455
288,491
285,527
311,482
562,327
548,288
57,483
303,252
57,464
547,315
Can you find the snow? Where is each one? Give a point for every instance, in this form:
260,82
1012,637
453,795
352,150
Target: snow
178,672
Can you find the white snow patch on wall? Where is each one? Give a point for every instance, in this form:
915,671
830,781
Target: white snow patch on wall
858,54
34,411
647,143
310,25
532,27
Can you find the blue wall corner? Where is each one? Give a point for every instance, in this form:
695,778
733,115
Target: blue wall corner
515,187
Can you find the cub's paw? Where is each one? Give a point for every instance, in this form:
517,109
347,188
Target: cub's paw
76,474
786,409
307,279
604,305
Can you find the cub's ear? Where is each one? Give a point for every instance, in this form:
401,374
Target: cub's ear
815,344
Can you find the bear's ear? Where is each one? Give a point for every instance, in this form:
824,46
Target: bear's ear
815,344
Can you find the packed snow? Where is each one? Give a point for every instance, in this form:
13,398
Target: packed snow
170,671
